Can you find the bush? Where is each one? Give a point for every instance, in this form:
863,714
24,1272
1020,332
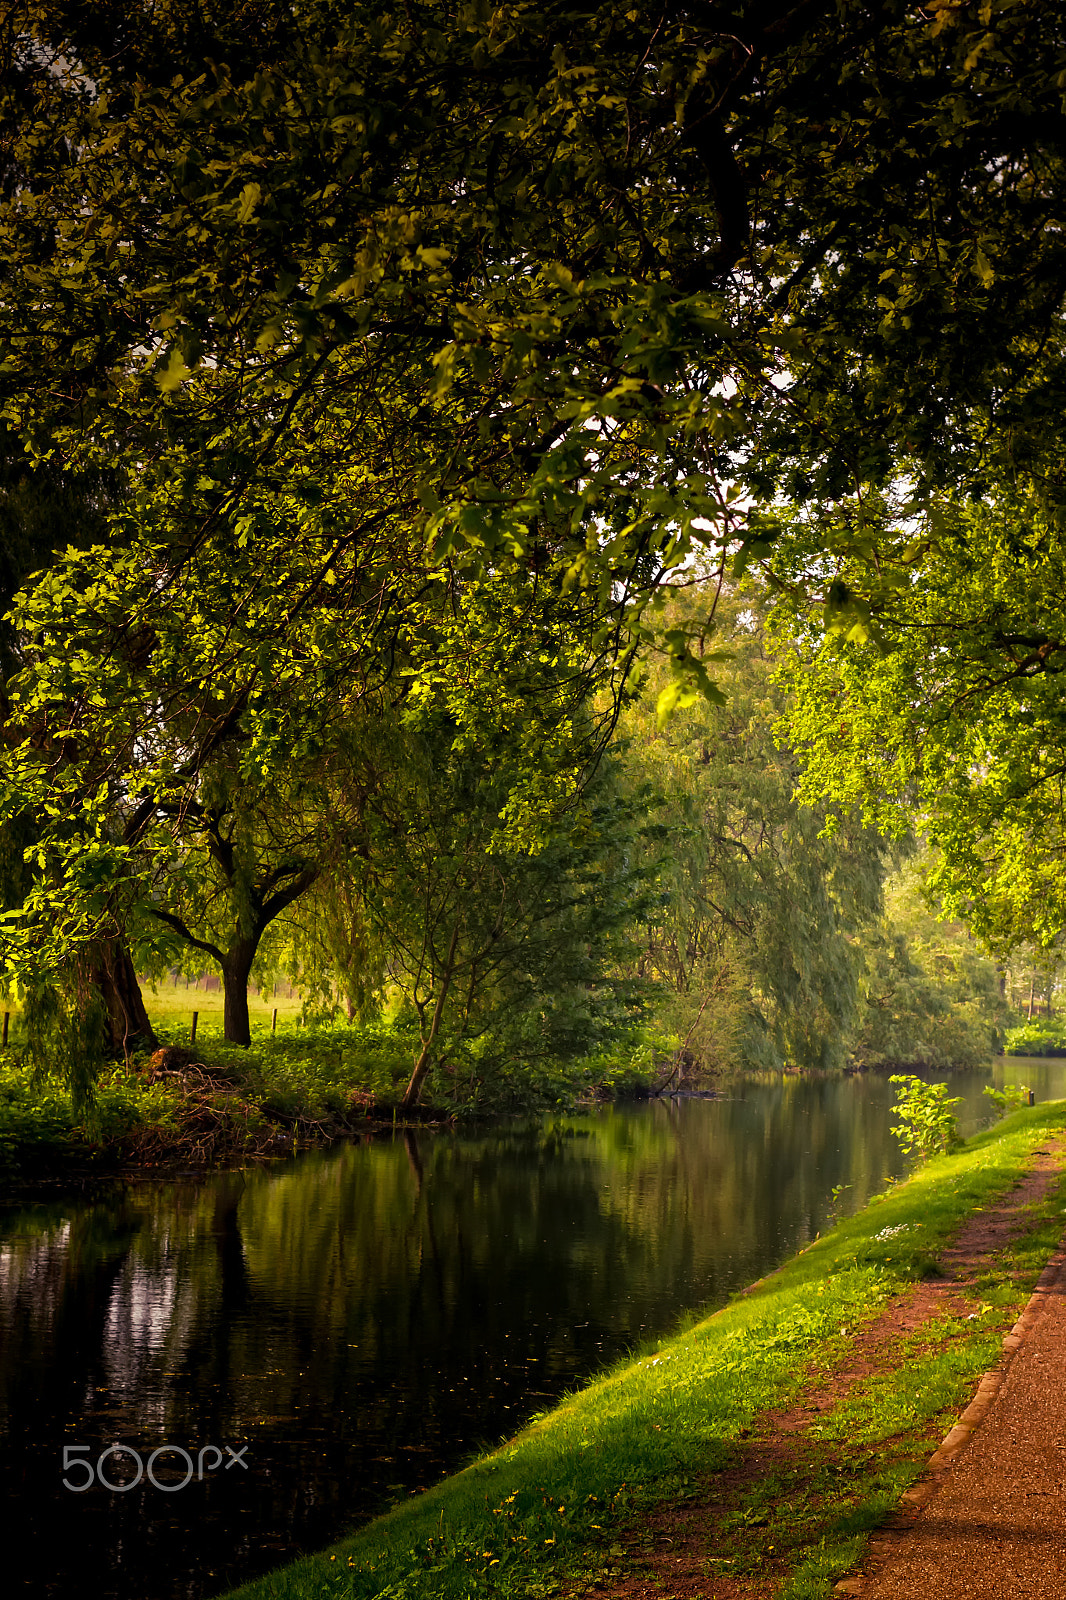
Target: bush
1008,1099
1044,1036
928,1124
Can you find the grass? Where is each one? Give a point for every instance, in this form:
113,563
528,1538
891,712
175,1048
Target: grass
170,1006
297,1085
560,1508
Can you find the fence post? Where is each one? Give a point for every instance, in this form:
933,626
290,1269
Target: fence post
274,1024
192,1035
7,1018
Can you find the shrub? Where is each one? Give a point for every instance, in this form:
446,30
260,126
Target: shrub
928,1124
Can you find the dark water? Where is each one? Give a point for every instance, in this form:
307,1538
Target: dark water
360,1321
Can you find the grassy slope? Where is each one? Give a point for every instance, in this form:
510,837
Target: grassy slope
543,1513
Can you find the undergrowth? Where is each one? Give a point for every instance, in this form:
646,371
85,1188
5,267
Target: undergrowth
213,1103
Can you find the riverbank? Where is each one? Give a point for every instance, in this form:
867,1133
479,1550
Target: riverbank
211,1105
587,1498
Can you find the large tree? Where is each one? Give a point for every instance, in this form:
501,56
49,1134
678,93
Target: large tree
355,295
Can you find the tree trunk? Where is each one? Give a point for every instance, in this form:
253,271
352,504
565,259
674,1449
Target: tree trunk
425,1059
235,973
128,1027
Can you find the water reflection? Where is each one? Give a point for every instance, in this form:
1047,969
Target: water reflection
364,1318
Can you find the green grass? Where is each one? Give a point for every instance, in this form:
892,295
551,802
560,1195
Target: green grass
556,1509
300,1084
171,1006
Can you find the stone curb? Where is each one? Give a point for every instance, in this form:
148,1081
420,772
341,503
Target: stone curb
920,1493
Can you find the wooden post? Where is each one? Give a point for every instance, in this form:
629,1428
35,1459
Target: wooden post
274,1023
7,1019
192,1035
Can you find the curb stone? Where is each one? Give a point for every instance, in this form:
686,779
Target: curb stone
888,1539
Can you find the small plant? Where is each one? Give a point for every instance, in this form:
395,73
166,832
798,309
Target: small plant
1008,1098
928,1123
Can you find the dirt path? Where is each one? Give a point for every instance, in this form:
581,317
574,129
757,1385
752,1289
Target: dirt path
1004,1494
991,1524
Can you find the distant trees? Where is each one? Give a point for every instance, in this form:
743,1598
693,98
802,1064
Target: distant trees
758,924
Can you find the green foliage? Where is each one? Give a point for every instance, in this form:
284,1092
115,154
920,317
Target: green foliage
36,1117
927,1124
1044,1036
930,997
389,303
64,1029
755,931
1011,1098
483,878
952,721
41,1126
392,323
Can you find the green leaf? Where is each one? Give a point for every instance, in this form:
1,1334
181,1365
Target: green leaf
175,373
250,197
982,268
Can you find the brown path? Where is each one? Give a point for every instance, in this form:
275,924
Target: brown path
994,1525
988,1521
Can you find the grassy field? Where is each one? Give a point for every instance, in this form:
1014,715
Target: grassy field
560,1509
170,1007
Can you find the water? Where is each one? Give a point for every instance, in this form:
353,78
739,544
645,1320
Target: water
360,1321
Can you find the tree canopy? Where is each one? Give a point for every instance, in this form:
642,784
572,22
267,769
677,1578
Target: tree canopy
359,308
531,273
950,715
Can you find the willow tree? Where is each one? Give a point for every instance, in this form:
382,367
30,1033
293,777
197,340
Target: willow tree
483,874
757,926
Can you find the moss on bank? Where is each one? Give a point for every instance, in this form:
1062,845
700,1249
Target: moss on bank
558,1509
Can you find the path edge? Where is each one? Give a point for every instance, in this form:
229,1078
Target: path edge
913,1500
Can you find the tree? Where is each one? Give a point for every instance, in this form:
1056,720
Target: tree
244,854
944,709
929,994
756,245
41,510
508,289
484,856
759,922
